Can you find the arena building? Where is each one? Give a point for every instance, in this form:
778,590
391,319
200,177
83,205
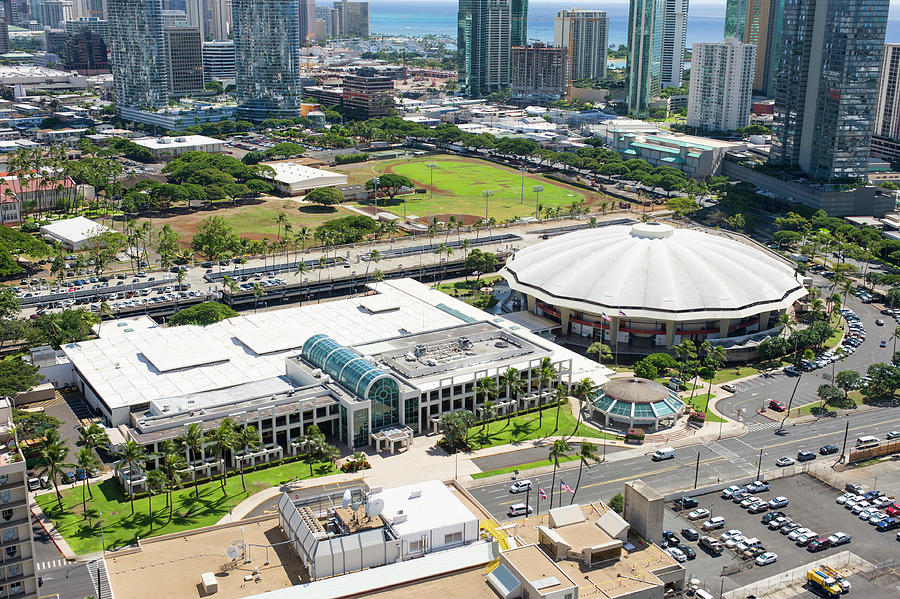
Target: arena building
650,285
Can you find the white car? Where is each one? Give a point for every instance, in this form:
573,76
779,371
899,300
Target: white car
764,559
780,501
859,507
804,540
798,533
698,514
866,514
843,498
714,523
735,541
728,534
757,486
520,486
728,492
519,509
677,554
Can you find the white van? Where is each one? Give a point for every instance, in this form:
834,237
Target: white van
702,594
665,453
867,441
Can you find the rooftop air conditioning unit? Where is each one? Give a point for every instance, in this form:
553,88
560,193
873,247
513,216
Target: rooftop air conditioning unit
317,373
415,494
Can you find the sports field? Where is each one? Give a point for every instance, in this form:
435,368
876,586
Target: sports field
459,183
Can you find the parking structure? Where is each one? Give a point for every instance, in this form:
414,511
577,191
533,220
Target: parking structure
811,504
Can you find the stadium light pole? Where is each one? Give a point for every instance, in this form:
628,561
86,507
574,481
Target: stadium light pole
537,189
431,166
487,193
376,180
522,187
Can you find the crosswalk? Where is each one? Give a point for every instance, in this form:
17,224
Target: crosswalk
754,427
103,592
50,564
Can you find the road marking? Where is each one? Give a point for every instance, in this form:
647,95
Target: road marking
51,564
852,428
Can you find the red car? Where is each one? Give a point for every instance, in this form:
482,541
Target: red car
819,544
777,406
893,509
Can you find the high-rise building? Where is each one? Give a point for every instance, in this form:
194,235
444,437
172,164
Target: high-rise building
18,12
308,20
267,57
219,24
86,53
518,22
484,43
763,29
4,38
98,27
174,18
645,40
721,88
194,11
55,41
218,60
324,13
674,33
352,19
366,94
86,9
735,18
585,34
827,86
887,116
137,48
539,73
56,12
184,60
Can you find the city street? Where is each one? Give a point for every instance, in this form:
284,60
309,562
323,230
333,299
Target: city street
720,461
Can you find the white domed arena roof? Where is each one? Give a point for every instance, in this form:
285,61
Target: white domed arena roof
652,270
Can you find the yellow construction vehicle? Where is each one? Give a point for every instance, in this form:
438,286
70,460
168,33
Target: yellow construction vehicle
838,577
823,583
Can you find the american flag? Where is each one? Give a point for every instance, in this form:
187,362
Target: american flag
605,317
564,487
622,314
542,494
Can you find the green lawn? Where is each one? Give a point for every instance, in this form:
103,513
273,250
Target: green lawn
698,403
521,467
120,528
527,426
806,409
459,183
729,374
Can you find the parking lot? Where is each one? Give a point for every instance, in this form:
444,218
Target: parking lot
811,504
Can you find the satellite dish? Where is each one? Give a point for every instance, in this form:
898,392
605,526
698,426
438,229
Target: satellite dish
346,499
374,507
233,552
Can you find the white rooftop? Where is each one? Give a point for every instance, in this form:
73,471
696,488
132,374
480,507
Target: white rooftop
182,141
293,172
124,366
652,270
421,507
73,230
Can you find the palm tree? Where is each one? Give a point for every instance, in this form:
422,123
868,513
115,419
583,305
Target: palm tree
894,337
715,358
587,454
52,460
684,351
132,454
487,389
257,293
247,436
584,391
172,464
512,380
156,482
87,462
785,320
560,394
222,439
546,374
192,439
558,451
93,437
105,310
374,256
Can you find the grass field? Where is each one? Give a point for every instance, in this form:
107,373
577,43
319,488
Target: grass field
255,220
529,426
82,530
698,403
458,187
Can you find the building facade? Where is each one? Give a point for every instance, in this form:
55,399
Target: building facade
763,29
484,42
137,48
86,53
518,22
721,88
367,94
5,45
218,60
887,115
307,10
645,37
219,22
99,27
585,33
352,19
56,12
827,86
267,58
539,73
184,60
674,34
735,18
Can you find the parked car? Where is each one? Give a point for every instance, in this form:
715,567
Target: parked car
764,559
687,550
740,496
839,538
820,544
887,524
784,461
520,486
892,435
729,491
805,456
686,503
729,387
758,486
690,534
712,544
758,507
34,484
670,538
771,516
698,514
714,523
519,509
778,406
676,554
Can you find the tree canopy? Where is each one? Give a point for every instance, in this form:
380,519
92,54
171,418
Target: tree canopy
202,314
17,375
326,196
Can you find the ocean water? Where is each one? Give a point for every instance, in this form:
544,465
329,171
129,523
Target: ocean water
706,21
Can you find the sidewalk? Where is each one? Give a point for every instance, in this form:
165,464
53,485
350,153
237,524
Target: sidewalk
57,538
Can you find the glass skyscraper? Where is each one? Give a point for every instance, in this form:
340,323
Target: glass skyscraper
645,40
485,34
267,58
735,19
827,86
137,46
674,34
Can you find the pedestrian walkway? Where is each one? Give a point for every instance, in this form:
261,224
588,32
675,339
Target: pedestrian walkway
51,564
755,427
99,579
48,526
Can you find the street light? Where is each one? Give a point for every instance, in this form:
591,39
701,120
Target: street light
522,187
376,180
537,189
431,166
487,194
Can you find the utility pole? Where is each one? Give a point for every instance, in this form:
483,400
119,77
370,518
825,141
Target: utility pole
791,401
697,470
759,464
844,447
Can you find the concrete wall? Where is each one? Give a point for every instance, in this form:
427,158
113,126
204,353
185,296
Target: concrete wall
644,510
